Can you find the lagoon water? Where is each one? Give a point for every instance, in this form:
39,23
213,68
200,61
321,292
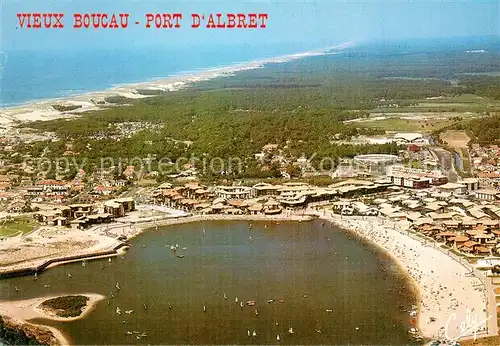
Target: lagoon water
311,267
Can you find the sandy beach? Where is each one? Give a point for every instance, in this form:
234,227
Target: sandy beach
450,296
20,312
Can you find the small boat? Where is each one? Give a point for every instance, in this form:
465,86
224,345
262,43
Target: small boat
36,276
318,331
270,301
357,328
184,248
172,248
277,324
145,306
278,338
248,333
250,239
128,332
170,306
282,300
256,312
84,263
254,334
69,275
118,311
251,302
329,310
241,305
204,308
16,288
128,312
180,256
117,286
290,330
305,296
236,299
225,296
46,286
109,260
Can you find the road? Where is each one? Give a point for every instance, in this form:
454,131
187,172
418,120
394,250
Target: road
446,163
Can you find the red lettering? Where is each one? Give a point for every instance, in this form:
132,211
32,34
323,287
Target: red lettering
210,23
241,21
177,17
263,17
195,20
123,20
58,17
252,18
149,19
104,20
96,23
47,23
219,24
113,24
231,23
77,20
21,21
37,20
166,21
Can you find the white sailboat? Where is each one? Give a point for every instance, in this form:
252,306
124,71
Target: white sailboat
278,338
236,299
118,310
290,330
254,334
117,286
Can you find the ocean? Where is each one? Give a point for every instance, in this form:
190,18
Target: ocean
317,279
33,75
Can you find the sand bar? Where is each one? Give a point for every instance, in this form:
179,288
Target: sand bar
20,312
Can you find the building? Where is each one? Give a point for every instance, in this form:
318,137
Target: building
472,184
406,138
453,188
410,181
234,192
488,194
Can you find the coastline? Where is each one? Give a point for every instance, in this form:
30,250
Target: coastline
447,292
106,242
42,109
17,314
445,288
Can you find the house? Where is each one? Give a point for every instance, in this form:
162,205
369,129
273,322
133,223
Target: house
272,207
453,188
114,209
232,192
410,181
80,210
488,194
471,184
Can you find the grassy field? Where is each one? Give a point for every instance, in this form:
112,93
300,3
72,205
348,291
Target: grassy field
13,227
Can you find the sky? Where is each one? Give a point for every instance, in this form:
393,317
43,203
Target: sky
326,22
